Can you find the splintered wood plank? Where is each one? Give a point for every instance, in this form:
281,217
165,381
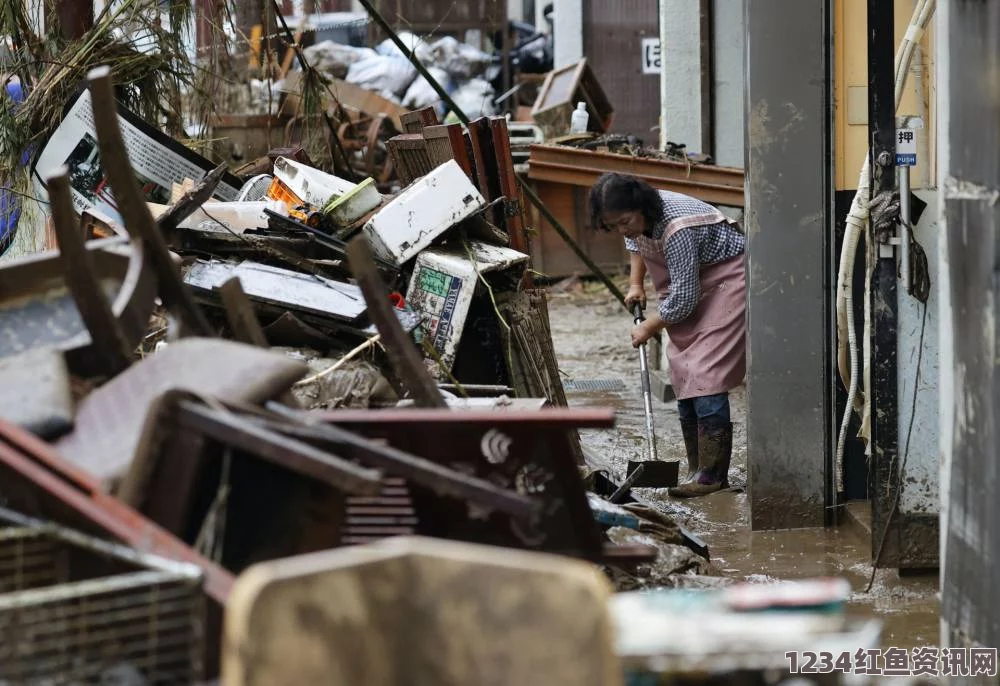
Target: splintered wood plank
400,349
508,185
109,339
409,156
416,121
534,368
240,314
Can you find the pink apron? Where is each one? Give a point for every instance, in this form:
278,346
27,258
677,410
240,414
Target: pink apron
707,350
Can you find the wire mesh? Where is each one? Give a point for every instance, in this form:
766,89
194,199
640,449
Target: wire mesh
594,386
70,613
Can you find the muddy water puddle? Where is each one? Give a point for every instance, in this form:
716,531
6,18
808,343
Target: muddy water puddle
591,337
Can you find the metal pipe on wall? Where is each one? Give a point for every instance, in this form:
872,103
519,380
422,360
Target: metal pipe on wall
883,296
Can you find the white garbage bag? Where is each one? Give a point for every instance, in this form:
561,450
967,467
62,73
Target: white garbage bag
461,60
335,59
422,94
415,43
475,98
381,73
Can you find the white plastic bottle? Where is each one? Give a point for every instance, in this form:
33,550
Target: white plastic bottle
580,119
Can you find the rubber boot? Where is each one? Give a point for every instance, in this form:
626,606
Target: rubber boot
715,448
690,432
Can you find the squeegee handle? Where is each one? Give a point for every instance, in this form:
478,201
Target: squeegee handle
637,313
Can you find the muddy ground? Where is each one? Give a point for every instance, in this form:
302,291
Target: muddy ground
590,331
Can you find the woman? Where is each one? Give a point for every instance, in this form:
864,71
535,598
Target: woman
694,255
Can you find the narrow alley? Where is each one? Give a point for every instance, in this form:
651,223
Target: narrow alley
591,335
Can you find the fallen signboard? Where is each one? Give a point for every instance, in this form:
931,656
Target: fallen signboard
157,160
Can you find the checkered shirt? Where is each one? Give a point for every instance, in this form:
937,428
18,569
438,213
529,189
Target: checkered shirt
689,248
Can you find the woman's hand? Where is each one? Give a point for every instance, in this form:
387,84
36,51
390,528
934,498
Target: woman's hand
643,332
636,294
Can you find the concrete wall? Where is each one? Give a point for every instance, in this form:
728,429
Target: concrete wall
917,360
946,335
728,62
851,89
567,37
970,186
685,109
787,221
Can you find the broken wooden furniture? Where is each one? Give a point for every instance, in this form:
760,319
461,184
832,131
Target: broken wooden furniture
132,206
194,474
109,420
483,153
39,301
526,452
431,613
562,90
217,478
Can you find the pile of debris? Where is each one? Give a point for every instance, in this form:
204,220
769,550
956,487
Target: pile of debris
459,67
192,373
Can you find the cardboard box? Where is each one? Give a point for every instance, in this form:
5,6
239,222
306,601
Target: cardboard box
441,289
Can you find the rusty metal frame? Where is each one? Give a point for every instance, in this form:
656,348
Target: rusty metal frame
363,134
77,499
576,167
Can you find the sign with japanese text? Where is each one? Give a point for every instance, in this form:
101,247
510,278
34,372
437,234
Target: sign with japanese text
651,56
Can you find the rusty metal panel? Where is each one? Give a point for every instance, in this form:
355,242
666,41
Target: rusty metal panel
612,42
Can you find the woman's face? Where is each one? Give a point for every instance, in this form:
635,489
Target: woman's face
630,223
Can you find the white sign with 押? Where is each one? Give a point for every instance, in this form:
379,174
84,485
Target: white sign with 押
906,147
650,55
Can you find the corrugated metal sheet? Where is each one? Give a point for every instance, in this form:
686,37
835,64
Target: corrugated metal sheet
612,42
971,173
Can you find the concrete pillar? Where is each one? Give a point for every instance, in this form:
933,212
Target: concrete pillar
729,47
685,50
567,35
787,225
969,128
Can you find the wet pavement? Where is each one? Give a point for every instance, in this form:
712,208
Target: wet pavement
591,335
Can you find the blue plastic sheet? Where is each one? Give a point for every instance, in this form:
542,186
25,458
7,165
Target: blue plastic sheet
10,205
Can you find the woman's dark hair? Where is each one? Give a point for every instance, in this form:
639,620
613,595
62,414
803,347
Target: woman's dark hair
615,192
